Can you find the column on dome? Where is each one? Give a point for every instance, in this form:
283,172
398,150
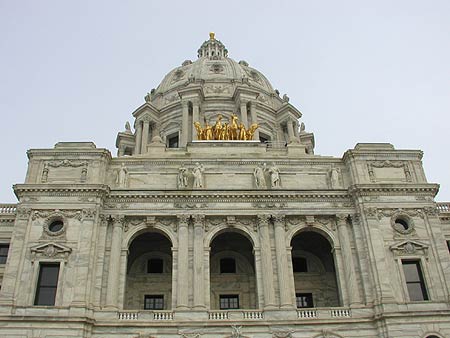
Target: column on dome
290,129
199,276
112,290
349,266
184,123
195,116
145,132
182,262
286,292
138,137
266,261
254,119
244,116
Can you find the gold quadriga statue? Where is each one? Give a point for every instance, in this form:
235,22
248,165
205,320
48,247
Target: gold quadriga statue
224,131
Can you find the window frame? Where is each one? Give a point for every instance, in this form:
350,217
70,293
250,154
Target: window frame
426,294
308,295
229,297
154,298
39,287
2,246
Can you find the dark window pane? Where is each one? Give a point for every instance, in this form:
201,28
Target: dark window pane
304,300
155,265
229,302
47,284
299,264
3,253
227,265
173,142
154,302
414,281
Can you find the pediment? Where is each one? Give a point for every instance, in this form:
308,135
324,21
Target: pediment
50,250
410,247
146,109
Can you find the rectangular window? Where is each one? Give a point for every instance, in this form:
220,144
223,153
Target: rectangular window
3,253
47,284
304,300
155,265
229,302
153,302
414,281
299,264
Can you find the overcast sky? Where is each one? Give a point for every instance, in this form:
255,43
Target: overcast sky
360,71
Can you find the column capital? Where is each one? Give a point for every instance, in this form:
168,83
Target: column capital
183,220
199,220
279,220
117,220
263,220
341,219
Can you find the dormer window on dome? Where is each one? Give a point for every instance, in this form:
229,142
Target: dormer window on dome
212,49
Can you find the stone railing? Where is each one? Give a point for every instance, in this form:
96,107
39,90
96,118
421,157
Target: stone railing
7,208
306,314
324,313
443,207
163,315
128,315
253,315
218,315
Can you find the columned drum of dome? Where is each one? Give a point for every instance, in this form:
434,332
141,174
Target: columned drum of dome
204,227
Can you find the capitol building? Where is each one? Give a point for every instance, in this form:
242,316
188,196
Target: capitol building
216,218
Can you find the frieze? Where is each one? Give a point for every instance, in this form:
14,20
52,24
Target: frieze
269,205
185,205
23,213
218,89
70,213
282,333
66,163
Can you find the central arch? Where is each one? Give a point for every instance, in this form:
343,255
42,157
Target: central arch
232,272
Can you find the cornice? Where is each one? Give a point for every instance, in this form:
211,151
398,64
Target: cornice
98,190
428,189
377,154
68,153
229,196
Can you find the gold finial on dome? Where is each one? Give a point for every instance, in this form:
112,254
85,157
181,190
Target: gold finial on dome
212,36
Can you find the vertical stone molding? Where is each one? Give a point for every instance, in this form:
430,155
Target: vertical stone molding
184,123
137,144
199,276
266,261
145,132
112,291
286,295
354,296
183,260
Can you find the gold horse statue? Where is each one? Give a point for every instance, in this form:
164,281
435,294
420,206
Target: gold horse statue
225,132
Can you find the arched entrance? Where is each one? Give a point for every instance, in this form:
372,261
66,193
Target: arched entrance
314,271
232,272
149,273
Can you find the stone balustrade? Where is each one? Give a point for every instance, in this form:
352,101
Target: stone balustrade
443,207
307,314
341,313
253,315
163,315
218,315
8,208
324,313
128,315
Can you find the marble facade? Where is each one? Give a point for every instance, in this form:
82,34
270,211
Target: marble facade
187,223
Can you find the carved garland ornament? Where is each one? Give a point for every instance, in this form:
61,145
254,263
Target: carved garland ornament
388,164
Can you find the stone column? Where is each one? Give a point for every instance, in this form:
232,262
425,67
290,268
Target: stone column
138,138
195,118
145,132
266,261
199,277
244,117
254,119
290,129
349,265
182,259
184,123
286,296
112,291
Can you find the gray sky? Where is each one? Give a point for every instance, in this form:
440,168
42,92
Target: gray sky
360,71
